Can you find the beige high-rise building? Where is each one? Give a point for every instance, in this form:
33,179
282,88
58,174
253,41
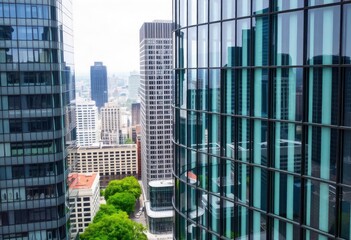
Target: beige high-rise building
110,123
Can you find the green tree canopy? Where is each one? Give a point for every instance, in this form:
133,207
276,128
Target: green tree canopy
105,210
124,201
128,141
127,184
115,226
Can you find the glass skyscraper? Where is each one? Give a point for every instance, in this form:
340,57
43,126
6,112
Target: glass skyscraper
98,84
262,119
36,117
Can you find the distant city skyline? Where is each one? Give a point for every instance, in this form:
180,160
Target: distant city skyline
108,31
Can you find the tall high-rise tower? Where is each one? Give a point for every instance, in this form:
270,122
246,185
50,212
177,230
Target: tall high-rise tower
36,91
87,123
111,124
98,84
262,128
156,117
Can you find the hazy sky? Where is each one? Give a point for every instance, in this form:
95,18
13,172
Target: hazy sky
108,31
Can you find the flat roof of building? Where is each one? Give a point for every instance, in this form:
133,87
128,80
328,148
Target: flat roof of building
161,183
81,180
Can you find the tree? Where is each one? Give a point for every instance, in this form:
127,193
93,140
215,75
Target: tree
124,201
127,184
105,210
115,226
128,141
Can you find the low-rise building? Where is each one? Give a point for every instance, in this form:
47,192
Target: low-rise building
84,200
110,161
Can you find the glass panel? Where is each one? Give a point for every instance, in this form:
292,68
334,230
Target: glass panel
322,152
192,12
192,47
320,207
228,218
183,15
182,42
323,36
347,97
284,230
286,197
214,91
347,158
261,92
214,205
228,9
323,95
215,10
260,6
192,133
346,212
320,2
258,225
191,89
228,80
288,37
229,50
347,34
243,42
243,8
261,40
287,147
287,93
202,46
214,45
202,86
280,5
202,11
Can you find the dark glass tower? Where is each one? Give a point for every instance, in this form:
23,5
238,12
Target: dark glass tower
262,127
98,84
36,89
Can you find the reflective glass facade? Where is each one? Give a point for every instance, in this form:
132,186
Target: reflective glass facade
36,117
262,119
98,84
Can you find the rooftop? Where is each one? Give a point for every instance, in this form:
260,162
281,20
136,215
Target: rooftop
81,180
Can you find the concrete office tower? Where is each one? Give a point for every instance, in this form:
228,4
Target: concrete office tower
36,88
87,122
98,84
133,86
262,119
110,123
156,100
84,200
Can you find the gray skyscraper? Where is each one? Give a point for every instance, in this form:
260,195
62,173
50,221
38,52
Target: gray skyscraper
36,89
156,121
98,84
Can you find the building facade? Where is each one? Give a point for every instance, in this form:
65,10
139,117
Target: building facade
84,200
110,124
87,122
133,86
262,119
36,90
155,106
98,84
111,162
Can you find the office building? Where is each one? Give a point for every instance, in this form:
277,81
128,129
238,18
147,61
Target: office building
98,84
110,161
36,90
84,200
110,124
87,123
156,100
135,114
133,86
262,119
